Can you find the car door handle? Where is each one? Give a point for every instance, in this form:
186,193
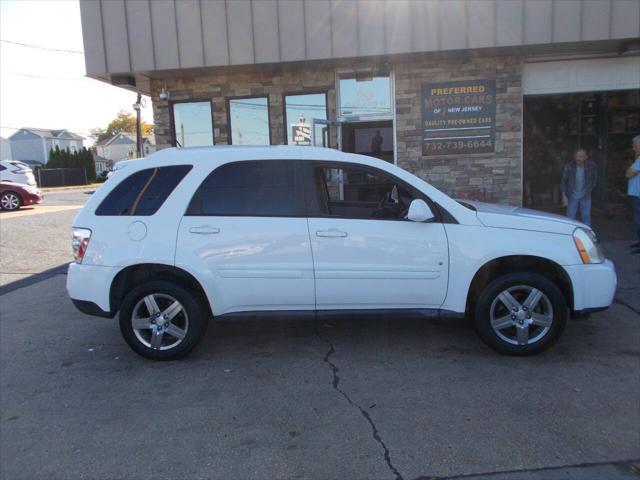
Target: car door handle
204,230
331,233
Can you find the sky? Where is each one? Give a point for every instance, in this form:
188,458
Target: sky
42,87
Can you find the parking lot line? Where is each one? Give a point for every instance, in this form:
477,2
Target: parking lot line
24,212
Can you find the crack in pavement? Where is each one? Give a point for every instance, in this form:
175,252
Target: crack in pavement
365,414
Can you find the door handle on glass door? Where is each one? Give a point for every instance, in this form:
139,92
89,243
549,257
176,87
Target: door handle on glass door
204,230
331,233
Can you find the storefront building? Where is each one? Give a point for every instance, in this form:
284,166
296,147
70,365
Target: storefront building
484,99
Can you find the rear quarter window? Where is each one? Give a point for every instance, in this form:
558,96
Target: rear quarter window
143,193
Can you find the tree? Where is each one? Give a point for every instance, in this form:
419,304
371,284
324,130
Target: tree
124,122
89,165
55,158
98,134
65,158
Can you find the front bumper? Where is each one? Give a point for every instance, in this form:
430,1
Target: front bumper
32,198
594,286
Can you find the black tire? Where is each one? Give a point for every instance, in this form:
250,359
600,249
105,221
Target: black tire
196,313
3,201
514,281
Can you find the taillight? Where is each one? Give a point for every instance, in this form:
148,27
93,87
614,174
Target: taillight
80,241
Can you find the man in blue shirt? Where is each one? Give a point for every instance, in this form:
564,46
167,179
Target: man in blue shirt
633,190
578,180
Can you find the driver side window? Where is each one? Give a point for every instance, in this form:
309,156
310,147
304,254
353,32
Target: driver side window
363,193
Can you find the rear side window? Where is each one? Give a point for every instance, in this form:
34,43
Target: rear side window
143,192
263,188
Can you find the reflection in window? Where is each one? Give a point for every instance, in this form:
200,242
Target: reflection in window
300,111
368,96
193,124
249,121
143,192
355,193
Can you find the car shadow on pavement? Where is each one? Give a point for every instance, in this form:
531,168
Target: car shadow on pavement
33,279
360,336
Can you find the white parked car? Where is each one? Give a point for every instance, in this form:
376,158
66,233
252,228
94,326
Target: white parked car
16,172
187,235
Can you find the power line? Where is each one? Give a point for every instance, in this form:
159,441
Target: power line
29,75
40,47
73,130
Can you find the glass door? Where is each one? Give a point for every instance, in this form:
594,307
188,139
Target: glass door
325,133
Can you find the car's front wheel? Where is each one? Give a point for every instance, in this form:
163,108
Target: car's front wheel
162,321
520,313
10,201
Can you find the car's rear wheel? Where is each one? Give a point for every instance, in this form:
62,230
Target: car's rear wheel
520,313
10,201
162,321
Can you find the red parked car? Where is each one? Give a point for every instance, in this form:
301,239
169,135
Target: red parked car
15,195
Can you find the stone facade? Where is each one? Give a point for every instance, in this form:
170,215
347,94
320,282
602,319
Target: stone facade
495,177
274,83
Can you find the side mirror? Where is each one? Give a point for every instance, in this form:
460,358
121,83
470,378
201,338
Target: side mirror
419,211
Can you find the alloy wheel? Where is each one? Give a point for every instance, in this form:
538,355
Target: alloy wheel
521,315
159,321
10,201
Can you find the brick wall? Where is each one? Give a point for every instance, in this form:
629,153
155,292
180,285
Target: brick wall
495,177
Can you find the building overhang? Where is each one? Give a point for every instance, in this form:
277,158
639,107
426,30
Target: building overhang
141,81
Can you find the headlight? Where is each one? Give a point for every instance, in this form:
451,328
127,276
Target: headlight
588,246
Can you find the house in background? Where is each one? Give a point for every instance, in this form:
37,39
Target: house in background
5,149
102,164
122,146
32,145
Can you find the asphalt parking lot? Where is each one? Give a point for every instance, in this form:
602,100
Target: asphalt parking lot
36,239
303,399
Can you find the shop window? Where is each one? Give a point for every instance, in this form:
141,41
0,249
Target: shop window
192,124
365,96
556,125
300,111
249,121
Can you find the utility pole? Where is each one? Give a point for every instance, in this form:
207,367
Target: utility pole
137,106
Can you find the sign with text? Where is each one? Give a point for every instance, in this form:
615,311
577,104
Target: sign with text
301,134
458,117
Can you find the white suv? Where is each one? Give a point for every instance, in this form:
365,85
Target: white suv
17,172
186,235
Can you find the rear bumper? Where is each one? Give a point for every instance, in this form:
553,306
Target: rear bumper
594,286
89,287
90,308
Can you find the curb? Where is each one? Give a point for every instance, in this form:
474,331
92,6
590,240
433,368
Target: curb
70,187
